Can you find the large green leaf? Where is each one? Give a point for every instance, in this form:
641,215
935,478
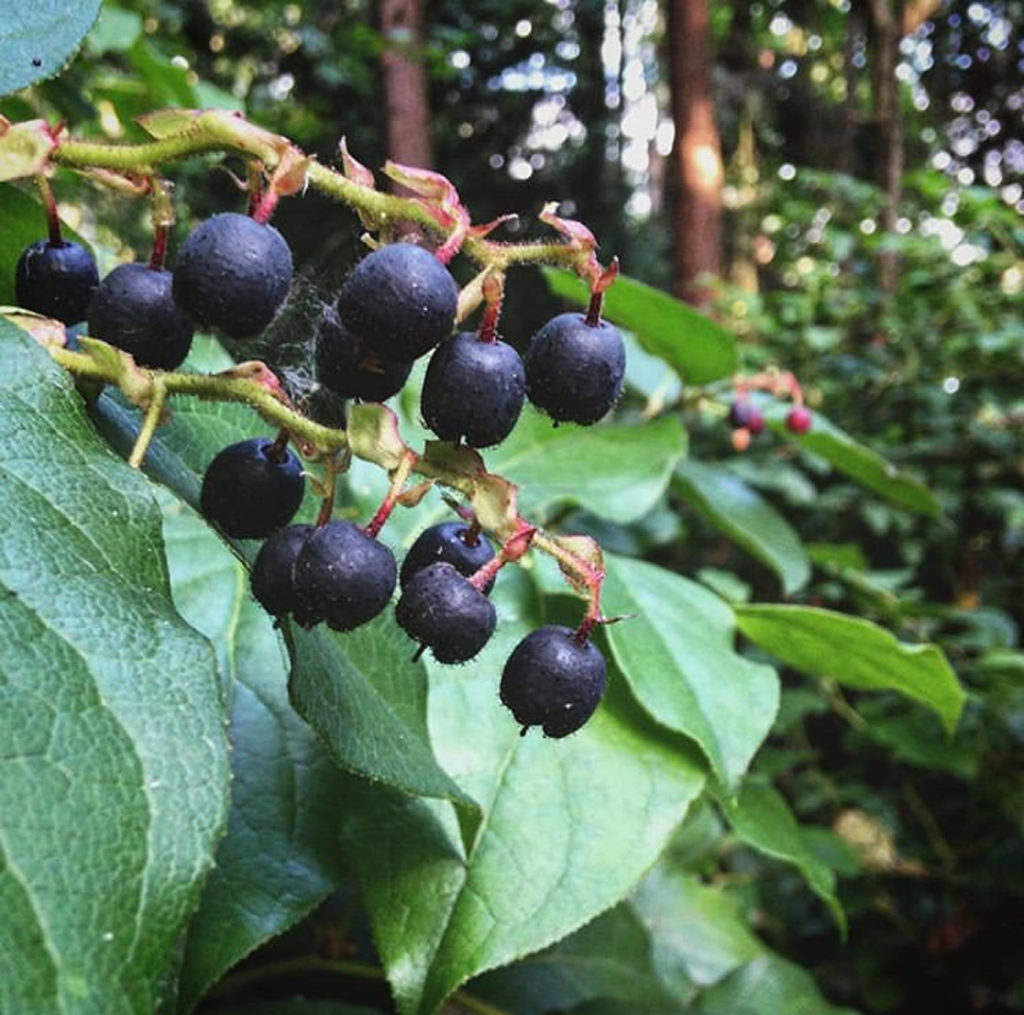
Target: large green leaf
568,828
767,985
856,653
114,778
280,855
37,39
746,518
675,648
860,463
24,222
617,472
761,817
700,350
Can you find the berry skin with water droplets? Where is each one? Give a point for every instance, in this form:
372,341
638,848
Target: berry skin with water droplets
452,542
344,576
400,300
553,681
233,274
252,488
473,390
440,609
273,571
56,280
133,309
574,369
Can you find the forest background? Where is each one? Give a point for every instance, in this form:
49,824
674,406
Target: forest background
839,184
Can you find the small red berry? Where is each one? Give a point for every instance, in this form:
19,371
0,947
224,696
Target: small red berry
798,420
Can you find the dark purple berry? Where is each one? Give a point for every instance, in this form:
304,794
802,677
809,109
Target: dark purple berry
133,309
349,368
400,300
344,575
473,390
553,681
453,542
56,280
745,416
574,369
272,577
252,488
233,274
440,609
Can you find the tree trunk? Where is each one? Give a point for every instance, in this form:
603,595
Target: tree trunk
405,82
696,160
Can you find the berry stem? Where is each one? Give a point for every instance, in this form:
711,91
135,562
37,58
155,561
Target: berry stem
50,207
494,291
511,550
399,476
149,424
278,451
329,487
594,308
163,219
265,206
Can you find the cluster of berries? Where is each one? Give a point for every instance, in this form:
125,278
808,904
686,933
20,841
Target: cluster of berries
744,416
399,303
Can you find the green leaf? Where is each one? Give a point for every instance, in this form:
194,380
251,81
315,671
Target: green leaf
115,30
38,39
608,958
280,855
24,222
742,515
700,350
114,778
767,985
696,932
367,700
860,463
676,650
617,472
568,828
856,653
761,817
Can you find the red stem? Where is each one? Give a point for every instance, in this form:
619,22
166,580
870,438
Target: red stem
594,310
52,217
159,253
265,206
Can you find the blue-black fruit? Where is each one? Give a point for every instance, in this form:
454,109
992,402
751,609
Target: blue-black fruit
344,576
133,309
400,300
473,390
232,275
553,681
56,280
272,579
453,542
252,488
440,609
574,369
350,368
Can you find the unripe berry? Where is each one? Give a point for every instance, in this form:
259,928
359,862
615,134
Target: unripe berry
552,680
798,420
745,416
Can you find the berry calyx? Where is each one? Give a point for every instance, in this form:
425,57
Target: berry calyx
400,300
744,416
455,543
252,488
350,368
233,274
441,609
553,680
56,279
575,368
473,390
798,420
343,575
133,309
272,577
